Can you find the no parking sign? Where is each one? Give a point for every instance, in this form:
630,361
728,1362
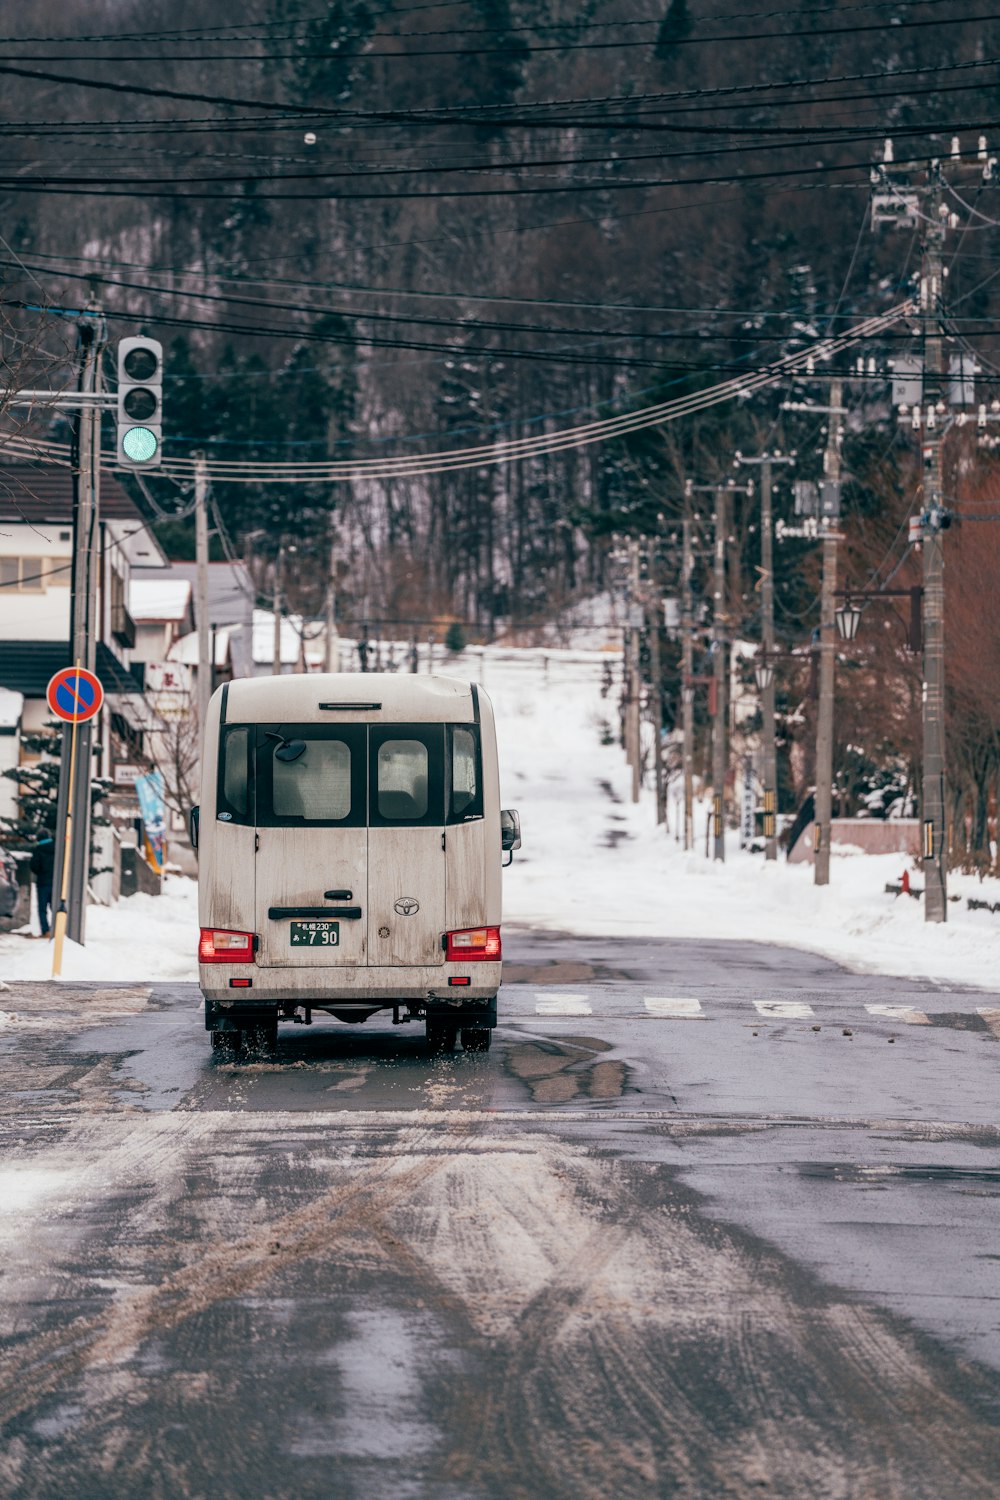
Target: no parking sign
74,695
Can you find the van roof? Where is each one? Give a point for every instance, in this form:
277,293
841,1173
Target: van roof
373,697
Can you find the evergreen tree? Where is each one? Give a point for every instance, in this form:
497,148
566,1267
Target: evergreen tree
454,639
675,28
38,792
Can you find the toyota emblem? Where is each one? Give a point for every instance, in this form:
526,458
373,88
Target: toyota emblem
406,906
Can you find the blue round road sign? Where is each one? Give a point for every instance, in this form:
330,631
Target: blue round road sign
74,695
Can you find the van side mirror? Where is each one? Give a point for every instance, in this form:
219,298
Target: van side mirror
194,823
510,832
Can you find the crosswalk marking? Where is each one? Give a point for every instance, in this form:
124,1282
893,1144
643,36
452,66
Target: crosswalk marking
682,1007
785,1010
905,1013
689,1007
562,1005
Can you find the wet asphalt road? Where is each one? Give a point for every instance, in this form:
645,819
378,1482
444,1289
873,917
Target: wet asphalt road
706,1222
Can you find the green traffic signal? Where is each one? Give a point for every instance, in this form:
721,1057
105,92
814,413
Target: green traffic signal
139,444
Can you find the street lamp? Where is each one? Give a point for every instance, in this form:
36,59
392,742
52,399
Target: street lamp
848,618
764,674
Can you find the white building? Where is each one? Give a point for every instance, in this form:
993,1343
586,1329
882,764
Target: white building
36,590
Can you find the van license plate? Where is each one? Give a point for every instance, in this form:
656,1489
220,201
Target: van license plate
315,935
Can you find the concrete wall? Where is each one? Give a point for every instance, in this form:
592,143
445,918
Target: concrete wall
873,835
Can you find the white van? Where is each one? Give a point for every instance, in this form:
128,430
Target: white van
350,839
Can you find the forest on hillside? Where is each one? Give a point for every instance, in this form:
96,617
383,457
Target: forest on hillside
368,230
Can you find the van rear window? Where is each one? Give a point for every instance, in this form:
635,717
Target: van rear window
401,780
311,776
316,786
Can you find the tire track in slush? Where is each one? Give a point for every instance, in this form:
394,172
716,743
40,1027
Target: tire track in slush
38,1365
615,1340
747,1378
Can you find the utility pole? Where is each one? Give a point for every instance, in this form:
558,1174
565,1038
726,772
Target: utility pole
279,571
720,739
632,706
935,850
73,804
332,652
206,655
654,616
827,643
769,756
687,669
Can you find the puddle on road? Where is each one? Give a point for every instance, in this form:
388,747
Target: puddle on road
880,1174
556,1072
566,972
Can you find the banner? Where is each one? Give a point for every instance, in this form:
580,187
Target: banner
152,809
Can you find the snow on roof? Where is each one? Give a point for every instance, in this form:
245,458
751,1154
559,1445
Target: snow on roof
263,637
11,704
159,598
186,649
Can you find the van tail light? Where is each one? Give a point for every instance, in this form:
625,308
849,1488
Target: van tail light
221,947
472,943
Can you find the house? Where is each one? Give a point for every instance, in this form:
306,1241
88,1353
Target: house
36,570
163,610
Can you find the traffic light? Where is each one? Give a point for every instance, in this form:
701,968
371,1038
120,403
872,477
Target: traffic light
140,403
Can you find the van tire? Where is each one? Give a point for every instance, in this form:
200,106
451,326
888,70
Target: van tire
476,1038
441,1037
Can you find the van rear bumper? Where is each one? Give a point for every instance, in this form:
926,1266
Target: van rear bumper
357,986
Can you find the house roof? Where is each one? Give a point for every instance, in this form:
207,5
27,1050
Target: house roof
230,588
30,492
158,598
28,665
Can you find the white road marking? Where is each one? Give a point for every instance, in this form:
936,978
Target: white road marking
904,1013
785,1010
679,1008
561,1005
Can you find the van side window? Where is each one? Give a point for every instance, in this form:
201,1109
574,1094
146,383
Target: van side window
234,779
466,792
316,786
402,780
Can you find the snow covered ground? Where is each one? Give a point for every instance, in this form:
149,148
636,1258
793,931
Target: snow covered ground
594,864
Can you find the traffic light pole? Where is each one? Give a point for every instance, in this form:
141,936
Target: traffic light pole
72,837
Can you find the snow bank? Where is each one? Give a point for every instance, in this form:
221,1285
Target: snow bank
594,864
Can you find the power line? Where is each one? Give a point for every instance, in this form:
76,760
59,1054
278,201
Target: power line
518,50
265,29
513,116
516,449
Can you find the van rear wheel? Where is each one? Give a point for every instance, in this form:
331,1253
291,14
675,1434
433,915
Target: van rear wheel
441,1037
476,1038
